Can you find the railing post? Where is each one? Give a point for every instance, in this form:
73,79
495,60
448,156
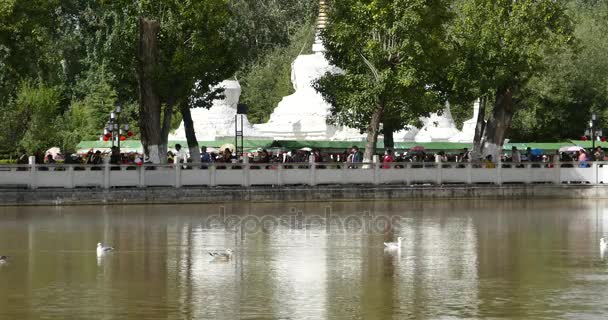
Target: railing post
313,171
69,181
279,174
178,175
596,179
376,167
33,173
439,174
408,173
141,170
106,173
246,172
529,173
498,172
213,174
469,173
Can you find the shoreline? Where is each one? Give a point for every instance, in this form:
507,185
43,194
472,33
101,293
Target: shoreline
205,195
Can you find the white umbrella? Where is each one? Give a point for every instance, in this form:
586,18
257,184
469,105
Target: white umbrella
306,149
227,146
55,151
571,149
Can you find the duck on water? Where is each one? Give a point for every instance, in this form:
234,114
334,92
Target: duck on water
393,245
221,256
101,249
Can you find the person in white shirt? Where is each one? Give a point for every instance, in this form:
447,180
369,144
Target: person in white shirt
515,155
180,155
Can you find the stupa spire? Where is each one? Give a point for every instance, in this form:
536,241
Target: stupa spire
321,23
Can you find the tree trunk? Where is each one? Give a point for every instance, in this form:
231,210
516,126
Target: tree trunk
498,124
149,101
166,127
479,129
389,140
195,152
372,134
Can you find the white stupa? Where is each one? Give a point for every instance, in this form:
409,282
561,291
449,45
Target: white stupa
303,115
437,127
218,121
467,134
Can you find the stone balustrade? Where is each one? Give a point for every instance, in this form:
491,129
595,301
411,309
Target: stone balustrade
244,174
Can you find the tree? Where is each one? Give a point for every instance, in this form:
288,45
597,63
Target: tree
86,51
182,51
262,26
557,103
30,120
392,54
500,46
27,31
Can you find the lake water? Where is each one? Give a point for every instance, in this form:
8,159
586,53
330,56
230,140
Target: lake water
459,260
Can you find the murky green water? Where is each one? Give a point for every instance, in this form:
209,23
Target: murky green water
459,260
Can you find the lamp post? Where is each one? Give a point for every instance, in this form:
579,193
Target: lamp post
114,128
241,110
592,130
595,133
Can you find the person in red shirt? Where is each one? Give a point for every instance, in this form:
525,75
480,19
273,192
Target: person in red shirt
388,158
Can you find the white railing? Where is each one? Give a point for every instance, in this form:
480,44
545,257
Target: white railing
220,174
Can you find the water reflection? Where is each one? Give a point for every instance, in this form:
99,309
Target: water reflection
459,259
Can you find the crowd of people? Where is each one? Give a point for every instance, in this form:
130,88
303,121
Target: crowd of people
353,155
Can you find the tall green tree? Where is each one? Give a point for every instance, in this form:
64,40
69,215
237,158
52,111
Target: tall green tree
30,119
27,32
171,53
392,53
557,103
501,45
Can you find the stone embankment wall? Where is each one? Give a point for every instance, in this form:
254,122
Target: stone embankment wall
292,194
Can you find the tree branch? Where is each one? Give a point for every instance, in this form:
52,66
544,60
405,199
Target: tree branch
371,67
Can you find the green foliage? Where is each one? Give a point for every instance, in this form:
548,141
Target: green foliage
271,34
86,117
263,26
85,51
392,54
557,103
63,64
28,121
268,80
26,42
499,46
502,43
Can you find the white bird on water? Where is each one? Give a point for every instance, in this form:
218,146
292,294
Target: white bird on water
221,256
101,249
3,259
393,245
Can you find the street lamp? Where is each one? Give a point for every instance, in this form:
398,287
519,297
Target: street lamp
593,131
114,129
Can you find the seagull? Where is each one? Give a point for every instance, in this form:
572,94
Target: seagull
101,249
3,259
394,245
221,256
